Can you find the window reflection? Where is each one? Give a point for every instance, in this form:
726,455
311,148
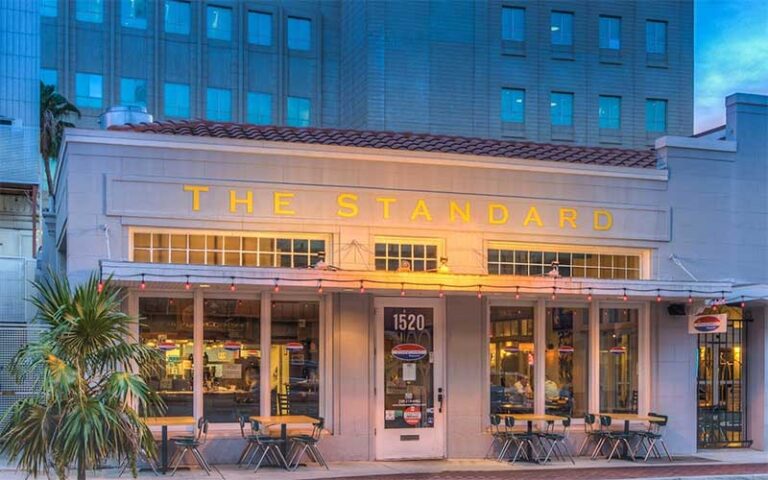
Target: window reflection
166,324
511,359
231,359
618,360
294,358
566,361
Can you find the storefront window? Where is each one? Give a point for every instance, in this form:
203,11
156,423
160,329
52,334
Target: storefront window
166,324
567,355
511,359
295,358
231,359
618,360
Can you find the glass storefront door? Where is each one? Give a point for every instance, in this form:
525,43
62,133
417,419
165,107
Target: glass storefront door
409,379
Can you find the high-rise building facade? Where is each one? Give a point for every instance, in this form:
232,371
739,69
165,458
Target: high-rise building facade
588,72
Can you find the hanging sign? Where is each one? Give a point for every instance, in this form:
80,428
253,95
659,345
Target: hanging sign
512,349
165,346
231,346
565,349
294,346
708,323
409,352
618,350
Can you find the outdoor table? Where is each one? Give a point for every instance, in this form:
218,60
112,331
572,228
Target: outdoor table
530,418
164,422
284,421
630,417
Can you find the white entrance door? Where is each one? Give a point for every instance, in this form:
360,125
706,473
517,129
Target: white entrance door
410,383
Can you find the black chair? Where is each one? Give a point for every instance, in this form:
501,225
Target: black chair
265,445
654,435
308,444
251,439
499,438
192,445
592,434
614,439
525,442
558,442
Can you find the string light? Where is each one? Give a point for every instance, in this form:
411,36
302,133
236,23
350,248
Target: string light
402,289
690,298
100,287
440,292
143,283
743,303
232,287
187,285
554,293
625,295
362,287
320,287
517,293
277,286
479,291
589,295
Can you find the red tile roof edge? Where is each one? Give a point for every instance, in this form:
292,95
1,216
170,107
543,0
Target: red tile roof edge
408,141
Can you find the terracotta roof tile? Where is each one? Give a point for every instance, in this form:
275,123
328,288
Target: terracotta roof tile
405,141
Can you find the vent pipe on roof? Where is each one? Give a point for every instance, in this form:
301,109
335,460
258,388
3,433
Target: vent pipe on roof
124,114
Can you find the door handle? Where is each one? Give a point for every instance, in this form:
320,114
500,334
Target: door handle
440,400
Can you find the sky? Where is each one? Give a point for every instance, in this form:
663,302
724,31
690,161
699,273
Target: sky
731,55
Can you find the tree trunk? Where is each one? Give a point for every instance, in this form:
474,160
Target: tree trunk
48,177
81,467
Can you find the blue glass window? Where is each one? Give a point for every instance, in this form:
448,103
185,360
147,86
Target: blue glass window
176,100
656,37
133,13
133,91
299,33
219,23
561,108
177,17
298,112
512,105
218,104
513,24
89,11
88,90
49,8
259,28
49,77
656,115
609,112
610,33
259,108
561,28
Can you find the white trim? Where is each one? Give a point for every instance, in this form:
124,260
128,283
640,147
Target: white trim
198,352
265,367
352,153
698,143
594,357
539,356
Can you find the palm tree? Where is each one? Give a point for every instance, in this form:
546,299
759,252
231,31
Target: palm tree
86,409
55,109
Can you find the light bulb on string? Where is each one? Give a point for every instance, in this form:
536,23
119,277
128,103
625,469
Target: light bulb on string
440,292
402,289
100,286
625,295
658,296
743,303
277,286
143,284
517,293
187,285
320,287
362,287
589,295
232,287
690,297
554,293
479,291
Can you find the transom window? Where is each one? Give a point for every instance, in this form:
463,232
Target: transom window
534,262
402,255
253,250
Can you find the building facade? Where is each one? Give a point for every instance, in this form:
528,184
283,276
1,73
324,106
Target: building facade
589,73
405,287
19,178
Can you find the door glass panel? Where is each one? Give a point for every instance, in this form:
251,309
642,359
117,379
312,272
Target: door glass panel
618,360
566,361
408,368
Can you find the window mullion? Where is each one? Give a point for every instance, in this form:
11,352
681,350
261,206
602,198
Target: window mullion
265,367
594,357
539,352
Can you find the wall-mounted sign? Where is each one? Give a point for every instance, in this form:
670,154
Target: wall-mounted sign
133,196
708,323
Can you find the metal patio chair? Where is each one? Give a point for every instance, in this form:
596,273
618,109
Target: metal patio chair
192,445
654,436
614,439
525,442
265,446
558,442
591,435
499,438
308,444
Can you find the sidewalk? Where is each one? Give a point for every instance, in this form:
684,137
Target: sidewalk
742,464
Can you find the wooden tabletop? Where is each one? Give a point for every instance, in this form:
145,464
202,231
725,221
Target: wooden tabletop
532,417
632,417
169,421
284,419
